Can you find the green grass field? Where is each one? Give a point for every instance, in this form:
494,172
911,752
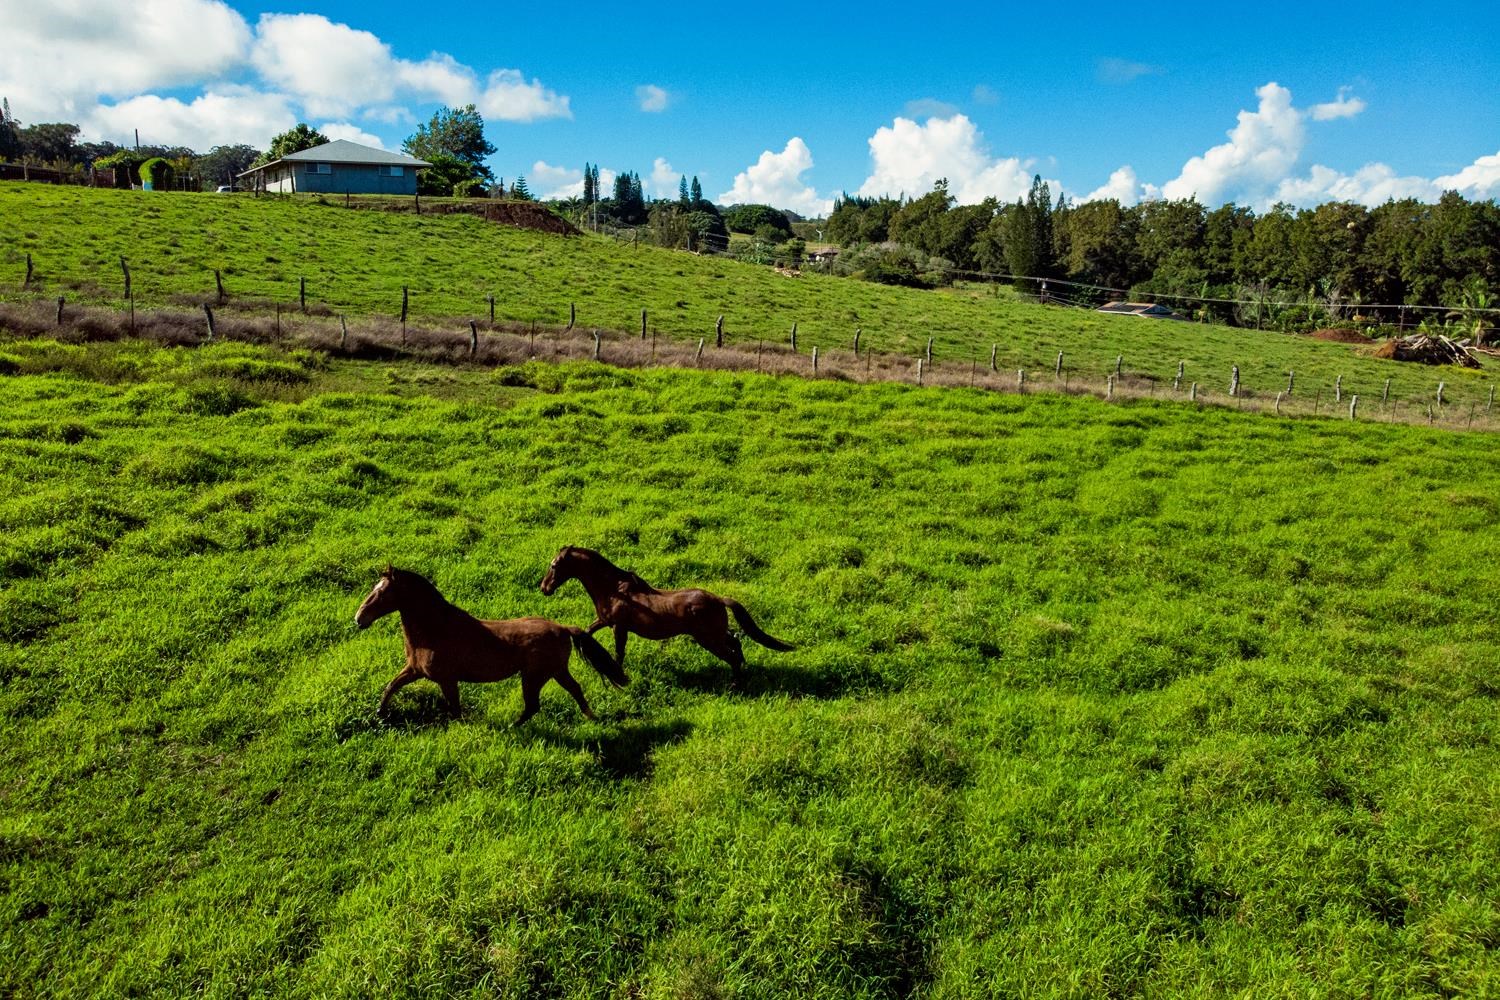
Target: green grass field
357,262
1126,700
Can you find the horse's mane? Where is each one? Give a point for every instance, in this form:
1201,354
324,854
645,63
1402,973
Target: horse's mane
419,583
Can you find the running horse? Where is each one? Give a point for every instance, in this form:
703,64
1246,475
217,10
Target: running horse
628,604
446,644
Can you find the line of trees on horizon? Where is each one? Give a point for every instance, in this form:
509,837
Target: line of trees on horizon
1284,267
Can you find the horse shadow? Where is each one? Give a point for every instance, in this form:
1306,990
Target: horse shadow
625,750
776,677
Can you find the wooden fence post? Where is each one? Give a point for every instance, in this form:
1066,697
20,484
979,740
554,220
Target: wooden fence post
302,296
1020,380
1278,404
919,371
1440,393
1487,406
794,336
719,331
1193,393
1057,370
60,302
1386,392
1109,387
815,359
1353,404
219,285
491,299
596,345
473,338
1290,377
1234,380
698,358
129,295
404,297
572,314
343,332
1338,389
993,349
1119,361
26,283
278,320
856,341
643,324
929,350
208,314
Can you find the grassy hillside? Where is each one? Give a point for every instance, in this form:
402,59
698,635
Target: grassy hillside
1090,699
357,262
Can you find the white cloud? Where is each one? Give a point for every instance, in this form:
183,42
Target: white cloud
1261,151
1118,71
332,69
929,107
1342,106
1480,179
651,97
1123,186
776,179
60,57
344,130
1376,183
549,182
985,94
663,178
508,97
910,158
212,119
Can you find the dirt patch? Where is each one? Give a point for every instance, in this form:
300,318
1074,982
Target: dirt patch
521,214
1340,335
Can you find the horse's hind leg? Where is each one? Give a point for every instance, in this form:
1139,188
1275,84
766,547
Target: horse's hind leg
531,692
450,695
621,634
398,682
726,646
570,685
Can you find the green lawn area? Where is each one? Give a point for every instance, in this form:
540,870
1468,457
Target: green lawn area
357,263
1089,699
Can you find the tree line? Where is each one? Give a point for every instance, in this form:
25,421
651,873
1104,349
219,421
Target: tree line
1284,267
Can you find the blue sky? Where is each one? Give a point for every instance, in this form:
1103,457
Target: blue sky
794,105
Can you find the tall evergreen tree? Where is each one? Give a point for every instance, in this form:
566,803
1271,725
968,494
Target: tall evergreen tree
588,185
696,194
682,191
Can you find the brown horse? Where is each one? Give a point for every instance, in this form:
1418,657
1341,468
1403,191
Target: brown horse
629,604
446,644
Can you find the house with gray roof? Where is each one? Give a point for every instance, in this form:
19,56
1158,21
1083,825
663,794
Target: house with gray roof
337,167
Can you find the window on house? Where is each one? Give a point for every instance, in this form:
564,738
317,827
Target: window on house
320,168
398,171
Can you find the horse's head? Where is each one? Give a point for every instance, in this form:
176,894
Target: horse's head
562,569
382,599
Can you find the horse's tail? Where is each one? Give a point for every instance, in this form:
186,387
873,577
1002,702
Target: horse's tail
598,657
747,624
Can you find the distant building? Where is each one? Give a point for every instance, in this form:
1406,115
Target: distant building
827,256
1151,310
337,167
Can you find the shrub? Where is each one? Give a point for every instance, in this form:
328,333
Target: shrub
157,172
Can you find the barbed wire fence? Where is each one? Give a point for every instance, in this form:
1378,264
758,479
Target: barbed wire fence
106,307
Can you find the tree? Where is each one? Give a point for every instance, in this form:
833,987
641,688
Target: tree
293,140
222,164
1028,237
50,142
590,193
752,218
457,133
519,191
444,176
682,191
695,194
10,132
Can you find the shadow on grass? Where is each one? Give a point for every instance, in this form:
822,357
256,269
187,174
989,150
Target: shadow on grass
409,712
773,677
624,750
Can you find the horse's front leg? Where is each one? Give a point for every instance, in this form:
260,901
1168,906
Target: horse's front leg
405,677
